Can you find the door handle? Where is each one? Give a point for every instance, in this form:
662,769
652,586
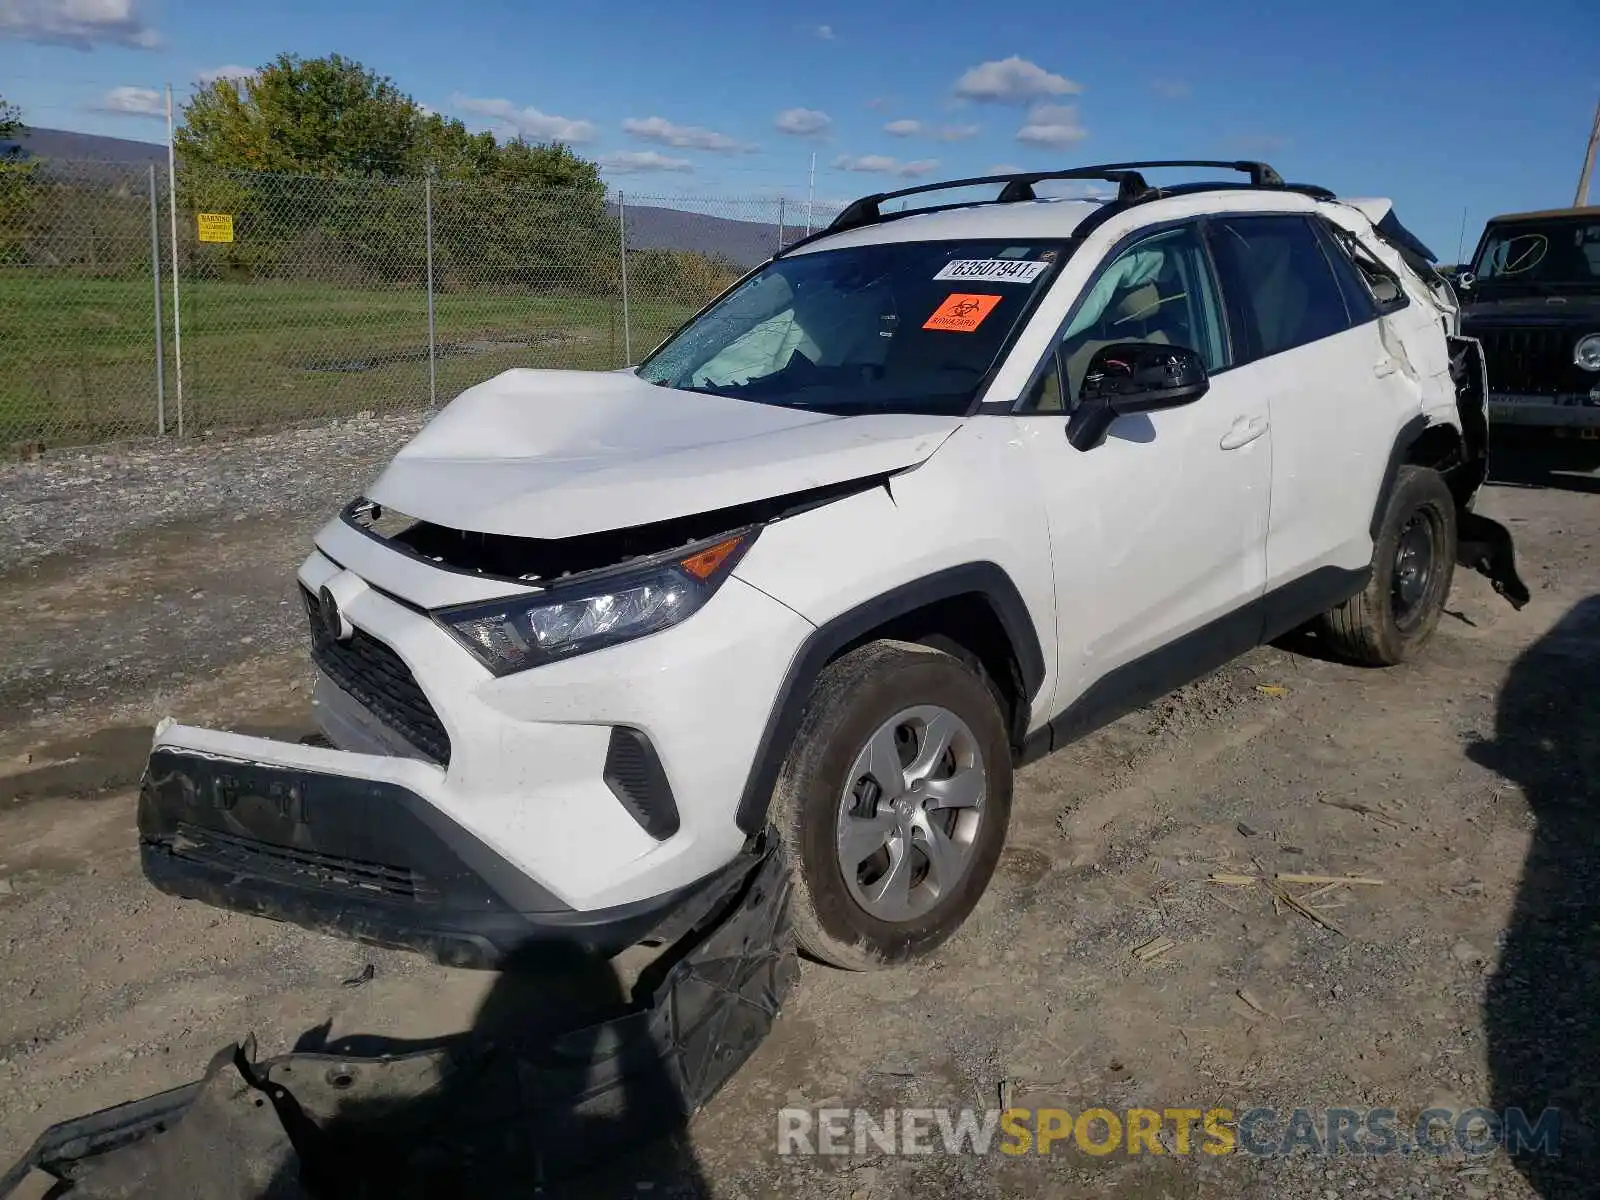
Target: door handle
1244,431
1385,367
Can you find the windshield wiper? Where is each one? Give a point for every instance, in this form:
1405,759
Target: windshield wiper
689,387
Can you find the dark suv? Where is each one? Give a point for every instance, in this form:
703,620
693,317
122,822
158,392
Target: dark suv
1532,297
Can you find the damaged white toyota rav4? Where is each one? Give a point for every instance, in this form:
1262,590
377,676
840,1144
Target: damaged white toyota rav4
928,495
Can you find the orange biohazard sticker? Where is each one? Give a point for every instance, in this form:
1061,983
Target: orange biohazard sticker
961,313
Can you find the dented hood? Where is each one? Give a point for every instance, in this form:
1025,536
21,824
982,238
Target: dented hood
554,454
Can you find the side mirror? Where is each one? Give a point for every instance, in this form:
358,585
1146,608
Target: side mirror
1465,279
1133,377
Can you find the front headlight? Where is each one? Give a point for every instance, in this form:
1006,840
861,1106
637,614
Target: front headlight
1587,352
598,610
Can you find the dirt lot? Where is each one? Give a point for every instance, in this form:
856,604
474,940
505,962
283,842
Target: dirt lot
138,584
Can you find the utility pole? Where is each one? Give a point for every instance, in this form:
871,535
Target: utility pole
1582,198
811,191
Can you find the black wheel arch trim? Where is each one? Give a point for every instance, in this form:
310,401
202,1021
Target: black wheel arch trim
987,580
1482,544
1403,441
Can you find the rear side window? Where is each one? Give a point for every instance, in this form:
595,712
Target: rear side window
1380,290
1353,285
1279,279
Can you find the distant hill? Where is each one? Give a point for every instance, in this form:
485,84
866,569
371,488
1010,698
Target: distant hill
744,243
88,147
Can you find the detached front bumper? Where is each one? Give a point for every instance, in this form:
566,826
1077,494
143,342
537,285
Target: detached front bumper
367,859
503,1107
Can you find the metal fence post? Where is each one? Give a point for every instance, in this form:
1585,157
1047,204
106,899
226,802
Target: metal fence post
427,206
172,209
780,222
622,242
155,274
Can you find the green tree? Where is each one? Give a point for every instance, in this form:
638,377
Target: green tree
320,116
444,147
528,215
333,117
10,127
547,164
16,176
320,162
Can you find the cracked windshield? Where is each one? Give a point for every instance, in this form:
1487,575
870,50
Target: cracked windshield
902,327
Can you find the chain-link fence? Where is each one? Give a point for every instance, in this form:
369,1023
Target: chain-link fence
80,326
291,299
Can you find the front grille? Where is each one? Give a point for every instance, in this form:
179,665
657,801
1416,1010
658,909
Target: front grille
379,680
1527,362
307,868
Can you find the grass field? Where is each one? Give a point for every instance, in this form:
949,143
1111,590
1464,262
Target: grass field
77,356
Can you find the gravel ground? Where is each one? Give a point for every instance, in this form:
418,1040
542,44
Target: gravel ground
1465,781
138,568
79,500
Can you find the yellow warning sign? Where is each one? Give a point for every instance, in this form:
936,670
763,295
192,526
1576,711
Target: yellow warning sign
215,227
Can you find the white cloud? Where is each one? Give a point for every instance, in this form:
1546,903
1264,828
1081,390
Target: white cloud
803,122
526,122
1012,80
882,164
684,137
825,32
230,71
1170,89
1004,169
1053,125
629,161
132,102
81,24
945,133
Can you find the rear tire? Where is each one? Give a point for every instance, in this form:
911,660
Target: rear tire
1413,563
893,803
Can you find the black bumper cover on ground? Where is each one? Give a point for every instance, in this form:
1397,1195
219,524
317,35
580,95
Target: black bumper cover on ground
370,861
489,1111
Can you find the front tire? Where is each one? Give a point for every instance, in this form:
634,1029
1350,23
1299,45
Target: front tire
1413,563
893,802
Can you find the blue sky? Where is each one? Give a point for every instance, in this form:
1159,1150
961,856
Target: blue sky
1442,104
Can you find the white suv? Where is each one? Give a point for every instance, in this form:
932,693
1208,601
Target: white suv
930,494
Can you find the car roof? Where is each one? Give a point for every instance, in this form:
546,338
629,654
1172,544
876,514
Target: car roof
1545,214
1031,219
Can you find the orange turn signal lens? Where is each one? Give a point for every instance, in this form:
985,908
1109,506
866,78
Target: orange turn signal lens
703,564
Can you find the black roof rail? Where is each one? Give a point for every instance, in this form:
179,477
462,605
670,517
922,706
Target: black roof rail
1103,214
1315,191
1019,186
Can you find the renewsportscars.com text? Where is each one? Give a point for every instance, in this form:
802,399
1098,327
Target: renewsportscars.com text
1258,1132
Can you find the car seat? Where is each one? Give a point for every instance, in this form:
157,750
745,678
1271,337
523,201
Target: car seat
1140,315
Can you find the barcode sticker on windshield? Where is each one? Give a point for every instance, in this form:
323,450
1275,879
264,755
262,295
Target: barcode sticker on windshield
992,270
